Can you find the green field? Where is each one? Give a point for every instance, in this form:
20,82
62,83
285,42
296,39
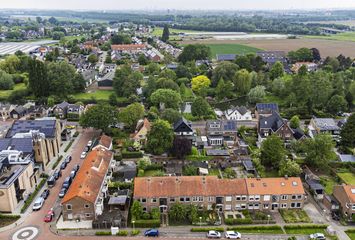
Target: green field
347,177
4,94
158,31
231,49
98,95
348,36
351,234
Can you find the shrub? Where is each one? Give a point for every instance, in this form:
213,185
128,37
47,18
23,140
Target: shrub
151,223
126,154
118,157
232,221
69,145
9,216
30,198
103,233
308,226
122,233
135,232
219,229
76,134
57,162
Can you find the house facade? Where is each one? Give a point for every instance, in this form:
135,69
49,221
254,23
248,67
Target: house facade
268,194
220,132
238,114
345,195
274,124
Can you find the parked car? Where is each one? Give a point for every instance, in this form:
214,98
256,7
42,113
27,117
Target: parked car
45,193
57,174
335,216
67,182
233,235
67,159
51,181
49,216
63,165
62,192
89,143
151,233
72,174
317,236
83,155
213,234
38,204
76,168
70,127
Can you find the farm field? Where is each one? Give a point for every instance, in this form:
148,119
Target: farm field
231,49
348,36
158,31
331,48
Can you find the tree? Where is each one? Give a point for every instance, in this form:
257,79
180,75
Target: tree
289,168
93,58
143,60
181,147
272,151
6,81
171,115
100,116
126,82
160,137
201,109
242,82
200,84
167,84
316,54
193,52
57,35
121,39
337,104
256,94
38,79
277,70
50,101
155,213
166,98
319,151
136,210
295,122
225,71
189,170
112,99
11,64
221,90
166,34
131,114
332,62
348,132
301,55
178,212
243,62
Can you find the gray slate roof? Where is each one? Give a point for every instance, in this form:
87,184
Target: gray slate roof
326,124
20,144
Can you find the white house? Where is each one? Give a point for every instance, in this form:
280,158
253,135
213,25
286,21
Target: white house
238,113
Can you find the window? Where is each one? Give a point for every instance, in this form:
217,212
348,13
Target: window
251,198
284,197
251,206
194,199
228,207
210,199
244,197
299,197
293,197
144,209
256,206
238,206
144,200
154,200
266,206
283,205
257,197
200,199
228,198
187,199
172,199
69,207
87,215
267,198
182,199
238,198
86,206
295,205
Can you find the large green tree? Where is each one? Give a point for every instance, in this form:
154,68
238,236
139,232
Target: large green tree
6,81
166,34
131,114
100,116
225,71
38,79
126,82
201,108
289,168
193,52
242,82
136,210
348,133
272,151
277,70
160,137
166,98
320,150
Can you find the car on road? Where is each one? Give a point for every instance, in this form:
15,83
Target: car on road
51,181
63,165
232,235
83,155
62,192
89,143
67,159
213,234
45,193
70,126
317,236
38,204
67,182
57,174
335,216
72,174
49,216
151,233
76,168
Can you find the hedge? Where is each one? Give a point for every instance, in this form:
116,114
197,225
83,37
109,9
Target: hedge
118,157
135,232
274,229
126,154
69,145
151,223
122,233
2,216
103,233
57,162
30,198
219,229
235,221
307,226
76,134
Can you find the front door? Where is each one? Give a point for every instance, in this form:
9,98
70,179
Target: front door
163,208
274,206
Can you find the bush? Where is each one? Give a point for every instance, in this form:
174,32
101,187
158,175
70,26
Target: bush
305,229
126,154
151,223
57,162
103,233
308,226
30,198
122,233
219,229
69,145
117,157
76,134
232,221
9,216
135,232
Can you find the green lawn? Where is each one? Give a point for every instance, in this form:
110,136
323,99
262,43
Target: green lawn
348,36
153,173
295,216
347,177
351,234
328,183
98,95
231,49
213,172
305,229
4,94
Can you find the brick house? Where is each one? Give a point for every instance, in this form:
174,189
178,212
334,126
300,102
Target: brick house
227,194
345,195
85,197
274,124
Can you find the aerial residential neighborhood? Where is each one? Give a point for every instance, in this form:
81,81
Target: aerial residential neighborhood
173,122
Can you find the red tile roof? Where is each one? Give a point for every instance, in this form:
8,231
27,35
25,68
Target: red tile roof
88,181
350,191
274,186
128,47
105,141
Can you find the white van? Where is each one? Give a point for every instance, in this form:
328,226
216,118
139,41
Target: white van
38,204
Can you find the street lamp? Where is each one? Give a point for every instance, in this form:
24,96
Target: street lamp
268,219
200,221
133,224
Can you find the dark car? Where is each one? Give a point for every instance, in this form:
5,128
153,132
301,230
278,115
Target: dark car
67,159
151,233
63,165
335,216
62,192
67,182
76,167
57,174
45,193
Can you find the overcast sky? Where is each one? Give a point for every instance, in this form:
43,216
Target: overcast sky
177,4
